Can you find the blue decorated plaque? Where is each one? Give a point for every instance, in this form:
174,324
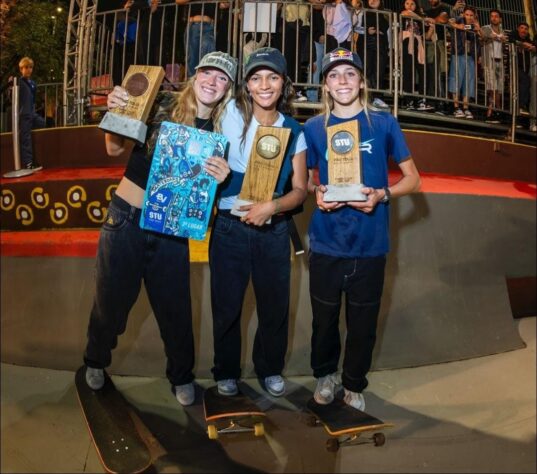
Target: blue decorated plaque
180,194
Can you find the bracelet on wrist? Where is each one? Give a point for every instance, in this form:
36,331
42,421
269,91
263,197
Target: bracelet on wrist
277,206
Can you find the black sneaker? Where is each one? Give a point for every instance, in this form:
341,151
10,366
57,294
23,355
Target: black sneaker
33,166
493,118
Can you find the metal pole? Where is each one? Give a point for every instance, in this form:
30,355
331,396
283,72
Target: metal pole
396,63
18,172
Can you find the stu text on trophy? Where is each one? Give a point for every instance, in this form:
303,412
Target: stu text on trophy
344,163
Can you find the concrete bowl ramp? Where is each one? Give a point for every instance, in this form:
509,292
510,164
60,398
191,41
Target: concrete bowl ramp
454,247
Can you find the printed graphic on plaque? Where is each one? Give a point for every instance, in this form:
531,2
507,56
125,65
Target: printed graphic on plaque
344,163
180,194
263,168
142,84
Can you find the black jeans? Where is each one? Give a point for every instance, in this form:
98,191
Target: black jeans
362,280
238,251
127,255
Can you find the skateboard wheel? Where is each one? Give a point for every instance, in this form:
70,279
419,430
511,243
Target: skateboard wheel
259,429
212,432
379,439
332,445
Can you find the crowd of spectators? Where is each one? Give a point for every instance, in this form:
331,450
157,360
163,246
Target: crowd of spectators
448,62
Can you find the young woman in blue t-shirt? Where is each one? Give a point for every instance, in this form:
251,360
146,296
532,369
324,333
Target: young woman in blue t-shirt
349,240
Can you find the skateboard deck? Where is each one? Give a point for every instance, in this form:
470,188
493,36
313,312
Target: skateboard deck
231,414
345,424
112,424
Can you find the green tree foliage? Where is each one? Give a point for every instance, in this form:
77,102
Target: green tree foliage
36,29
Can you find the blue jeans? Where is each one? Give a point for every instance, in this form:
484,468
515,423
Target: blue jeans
127,255
200,42
462,76
362,280
238,251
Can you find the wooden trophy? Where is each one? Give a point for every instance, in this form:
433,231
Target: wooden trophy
344,163
263,168
142,84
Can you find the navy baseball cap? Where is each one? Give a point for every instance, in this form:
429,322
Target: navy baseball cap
268,57
338,56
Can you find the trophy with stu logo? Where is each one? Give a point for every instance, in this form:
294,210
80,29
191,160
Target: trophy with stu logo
263,168
142,84
344,163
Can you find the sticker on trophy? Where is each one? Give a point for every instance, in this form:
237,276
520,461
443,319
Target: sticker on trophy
142,84
137,84
344,163
263,168
268,147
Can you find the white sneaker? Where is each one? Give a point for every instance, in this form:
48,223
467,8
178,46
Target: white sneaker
185,394
423,106
275,385
380,104
533,128
227,387
354,399
300,97
326,387
468,114
94,378
458,113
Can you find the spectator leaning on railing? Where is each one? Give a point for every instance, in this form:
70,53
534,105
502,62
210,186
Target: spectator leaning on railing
436,52
413,32
526,56
373,47
464,52
492,39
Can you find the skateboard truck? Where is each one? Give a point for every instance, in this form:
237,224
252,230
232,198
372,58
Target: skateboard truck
231,414
345,425
235,427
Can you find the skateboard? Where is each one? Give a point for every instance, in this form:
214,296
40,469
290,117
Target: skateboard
345,424
231,414
113,426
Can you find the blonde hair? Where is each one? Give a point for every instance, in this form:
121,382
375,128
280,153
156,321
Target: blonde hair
327,102
182,107
26,61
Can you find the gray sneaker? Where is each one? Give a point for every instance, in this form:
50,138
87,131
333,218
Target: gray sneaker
275,385
185,394
94,378
227,387
326,387
354,399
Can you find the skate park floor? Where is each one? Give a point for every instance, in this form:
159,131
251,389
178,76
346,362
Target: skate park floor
475,415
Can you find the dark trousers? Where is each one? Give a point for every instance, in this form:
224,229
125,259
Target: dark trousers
413,71
524,85
237,252
362,280
127,255
296,48
28,122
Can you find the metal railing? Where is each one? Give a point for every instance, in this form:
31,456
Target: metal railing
176,35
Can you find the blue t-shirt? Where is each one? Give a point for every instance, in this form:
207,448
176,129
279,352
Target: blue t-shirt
347,232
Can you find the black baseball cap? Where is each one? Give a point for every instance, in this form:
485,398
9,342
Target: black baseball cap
268,57
338,56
